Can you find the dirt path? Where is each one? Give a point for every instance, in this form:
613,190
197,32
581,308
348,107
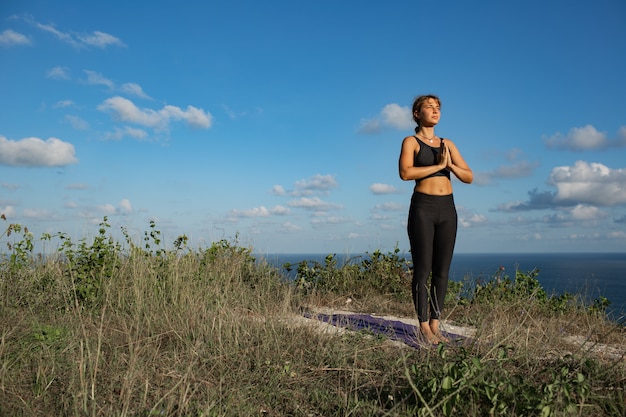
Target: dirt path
401,330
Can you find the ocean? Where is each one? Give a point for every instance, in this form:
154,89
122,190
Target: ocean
589,274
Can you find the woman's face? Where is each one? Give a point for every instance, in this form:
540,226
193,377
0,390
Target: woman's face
429,113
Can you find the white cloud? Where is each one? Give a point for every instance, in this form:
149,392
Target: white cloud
134,90
289,227
9,186
76,122
312,203
36,152
530,237
278,190
63,104
12,38
482,178
397,116
95,78
96,38
369,126
125,206
193,116
38,214
58,73
260,211
317,182
378,188
135,133
472,220
389,206
108,209
578,138
65,37
583,212
591,183
253,212
393,115
124,110
8,211
469,218
118,134
520,169
100,39
279,211
330,220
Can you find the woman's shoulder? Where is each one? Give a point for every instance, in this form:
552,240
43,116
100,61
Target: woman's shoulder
410,141
448,141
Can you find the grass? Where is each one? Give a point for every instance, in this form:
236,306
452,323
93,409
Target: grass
108,328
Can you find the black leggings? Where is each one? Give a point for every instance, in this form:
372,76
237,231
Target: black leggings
432,233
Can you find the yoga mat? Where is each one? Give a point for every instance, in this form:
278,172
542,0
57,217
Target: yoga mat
393,329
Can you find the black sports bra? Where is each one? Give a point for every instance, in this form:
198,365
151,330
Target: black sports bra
428,156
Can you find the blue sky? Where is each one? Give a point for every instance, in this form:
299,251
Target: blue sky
280,122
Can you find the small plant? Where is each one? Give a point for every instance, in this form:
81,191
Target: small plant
599,305
88,265
20,248
49,335
567,389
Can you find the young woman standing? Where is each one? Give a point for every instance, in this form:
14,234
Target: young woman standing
432,223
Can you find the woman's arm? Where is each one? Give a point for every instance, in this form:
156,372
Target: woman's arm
457,165
406,169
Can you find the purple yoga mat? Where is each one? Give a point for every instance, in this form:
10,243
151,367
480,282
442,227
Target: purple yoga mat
393,329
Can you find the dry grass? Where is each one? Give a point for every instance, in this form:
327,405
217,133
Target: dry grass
189,339
210,334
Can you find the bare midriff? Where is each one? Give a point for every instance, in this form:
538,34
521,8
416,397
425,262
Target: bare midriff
434,186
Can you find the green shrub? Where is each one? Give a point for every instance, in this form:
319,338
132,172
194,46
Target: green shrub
376,272
89,264
497,384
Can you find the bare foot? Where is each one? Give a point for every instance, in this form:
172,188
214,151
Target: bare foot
427,334
442,338
434,328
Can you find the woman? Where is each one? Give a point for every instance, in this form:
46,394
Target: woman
429,160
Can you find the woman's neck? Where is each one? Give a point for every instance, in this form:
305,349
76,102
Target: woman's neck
427,132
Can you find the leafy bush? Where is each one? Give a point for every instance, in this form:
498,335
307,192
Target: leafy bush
377,272
496,383
500,288
20,249
88,264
